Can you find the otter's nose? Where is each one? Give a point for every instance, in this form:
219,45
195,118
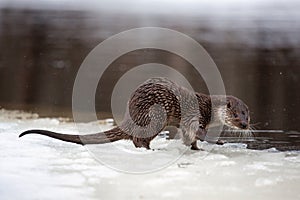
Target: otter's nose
244,125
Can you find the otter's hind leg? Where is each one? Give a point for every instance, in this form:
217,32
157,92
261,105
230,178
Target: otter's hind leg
143,142
146,143
137,142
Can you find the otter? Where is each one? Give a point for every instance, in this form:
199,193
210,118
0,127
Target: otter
159,102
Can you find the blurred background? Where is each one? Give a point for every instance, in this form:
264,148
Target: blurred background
255,45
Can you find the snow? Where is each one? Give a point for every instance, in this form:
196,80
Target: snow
38,167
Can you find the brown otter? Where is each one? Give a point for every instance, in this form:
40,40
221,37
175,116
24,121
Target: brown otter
158,103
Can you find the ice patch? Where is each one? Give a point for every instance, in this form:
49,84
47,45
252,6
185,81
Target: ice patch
216,157
257,167
38,167
267,182
7,125
226,163
236,145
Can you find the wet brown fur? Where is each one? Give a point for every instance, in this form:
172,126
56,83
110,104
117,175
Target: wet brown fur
158,103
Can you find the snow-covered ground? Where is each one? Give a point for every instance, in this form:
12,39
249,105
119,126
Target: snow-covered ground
38,167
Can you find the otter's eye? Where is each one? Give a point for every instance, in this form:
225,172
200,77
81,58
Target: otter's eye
243,113
228,105
235,115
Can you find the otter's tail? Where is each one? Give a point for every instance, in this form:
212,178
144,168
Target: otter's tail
97,138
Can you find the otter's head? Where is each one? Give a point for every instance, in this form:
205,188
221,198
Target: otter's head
236,114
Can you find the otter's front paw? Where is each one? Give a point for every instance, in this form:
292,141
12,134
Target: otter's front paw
220,142
195,147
